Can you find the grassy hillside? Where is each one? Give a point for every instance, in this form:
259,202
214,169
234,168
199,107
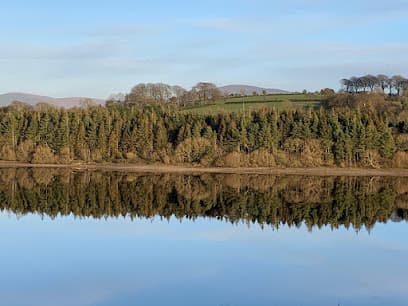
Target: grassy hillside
250,103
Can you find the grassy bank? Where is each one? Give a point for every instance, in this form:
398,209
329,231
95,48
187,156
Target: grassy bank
319,171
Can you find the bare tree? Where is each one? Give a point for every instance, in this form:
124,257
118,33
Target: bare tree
405,89
399,83
370,81
363,83
118,97
382,81
164,92
138,94
207,92
355,83
390,84
178,93
150,93
347,85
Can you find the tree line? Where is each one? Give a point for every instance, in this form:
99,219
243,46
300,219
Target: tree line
267,201
370,133
160,93
207,92
395,85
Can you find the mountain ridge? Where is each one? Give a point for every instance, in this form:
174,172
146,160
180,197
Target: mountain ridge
32,99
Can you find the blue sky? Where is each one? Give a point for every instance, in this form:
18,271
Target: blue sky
95,48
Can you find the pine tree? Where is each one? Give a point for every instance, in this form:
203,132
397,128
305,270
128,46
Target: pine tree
386,142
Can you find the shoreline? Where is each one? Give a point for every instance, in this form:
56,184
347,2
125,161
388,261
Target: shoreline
157,168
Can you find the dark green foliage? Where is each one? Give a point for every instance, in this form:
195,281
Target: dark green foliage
344,136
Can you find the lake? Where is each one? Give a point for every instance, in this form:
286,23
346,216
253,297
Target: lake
111,238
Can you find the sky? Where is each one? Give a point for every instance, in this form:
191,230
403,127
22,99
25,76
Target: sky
96,48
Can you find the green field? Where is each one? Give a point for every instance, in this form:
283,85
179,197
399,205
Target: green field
251,103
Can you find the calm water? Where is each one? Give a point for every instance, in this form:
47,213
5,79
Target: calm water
115,239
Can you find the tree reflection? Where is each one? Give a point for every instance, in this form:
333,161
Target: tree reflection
266,200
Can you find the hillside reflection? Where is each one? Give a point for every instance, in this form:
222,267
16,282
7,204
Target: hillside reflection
265,200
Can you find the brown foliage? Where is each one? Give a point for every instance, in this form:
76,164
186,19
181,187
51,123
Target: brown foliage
195,150
84,153
164,157
401,142
299,152
64,156
7,153
400,159
260,158
43,176
374,103
96,155
24,151
131,156
312,153
43,155
233,160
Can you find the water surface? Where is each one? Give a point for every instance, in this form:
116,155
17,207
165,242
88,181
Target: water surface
92,238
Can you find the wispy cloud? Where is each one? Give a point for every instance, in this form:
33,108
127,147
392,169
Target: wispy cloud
295,23
82,51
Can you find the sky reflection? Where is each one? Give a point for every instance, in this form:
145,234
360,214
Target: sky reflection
71,261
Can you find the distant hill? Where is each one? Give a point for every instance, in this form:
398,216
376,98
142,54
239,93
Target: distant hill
6,99
249,90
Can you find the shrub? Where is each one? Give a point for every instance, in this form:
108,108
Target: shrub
401,142
64,156
24,151
7,153
232,160
400,160
43,155
260,158
96,155
195,150
312,153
